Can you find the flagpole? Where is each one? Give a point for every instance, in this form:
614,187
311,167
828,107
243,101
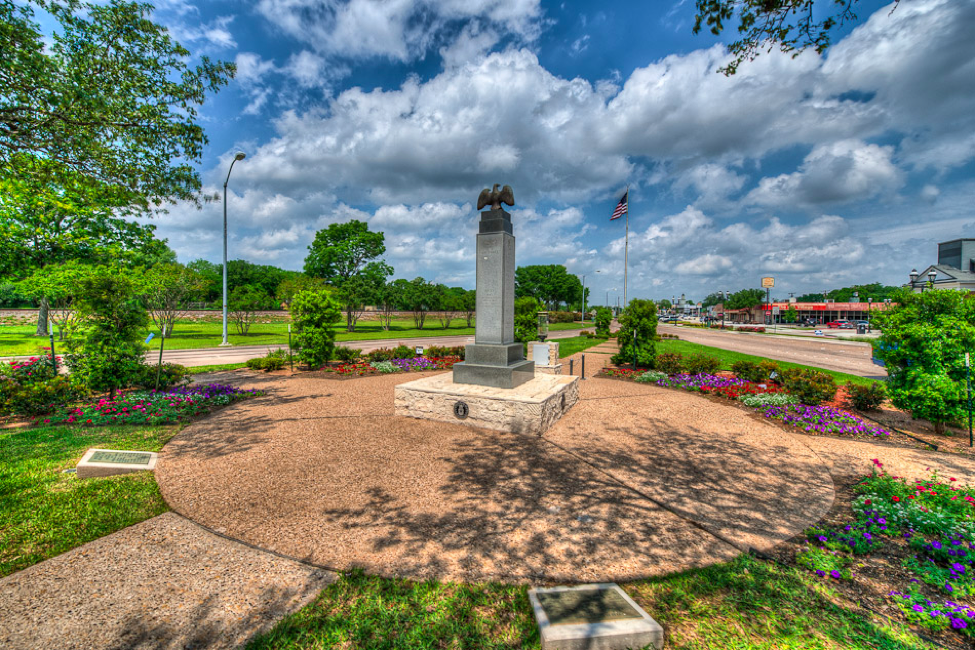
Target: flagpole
626,247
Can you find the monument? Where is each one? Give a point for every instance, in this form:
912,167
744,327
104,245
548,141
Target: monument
495,386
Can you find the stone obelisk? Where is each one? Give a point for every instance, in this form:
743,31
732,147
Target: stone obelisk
495,359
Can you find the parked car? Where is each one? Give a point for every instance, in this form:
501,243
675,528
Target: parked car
841,324
810,322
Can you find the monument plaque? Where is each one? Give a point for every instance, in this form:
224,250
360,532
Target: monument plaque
599,616
108,462
121,457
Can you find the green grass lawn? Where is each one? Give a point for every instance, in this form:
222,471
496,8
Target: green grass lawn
18,340
728,357
747,603
576,344
44,512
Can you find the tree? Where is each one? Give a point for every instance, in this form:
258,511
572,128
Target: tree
923,345
314,314
59,286
445,304
417,296
211,279
168,290
244,303
46,223
745,299
665,304
362,289
549,283
468,305
106,97
793,25
640,316
791,315
340,251
876,291
526,318
712,299
295,284
108,352
388,299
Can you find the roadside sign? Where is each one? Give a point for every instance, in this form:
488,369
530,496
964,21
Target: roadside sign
818,332
775,311
419,350
149,338
768,283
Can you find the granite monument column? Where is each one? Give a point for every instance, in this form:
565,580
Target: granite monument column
495,359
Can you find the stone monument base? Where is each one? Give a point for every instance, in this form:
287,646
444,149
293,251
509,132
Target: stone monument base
531,407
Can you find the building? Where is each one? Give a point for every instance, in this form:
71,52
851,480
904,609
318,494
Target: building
955,268
820,312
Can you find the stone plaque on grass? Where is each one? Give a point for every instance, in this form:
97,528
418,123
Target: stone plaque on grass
108,462
597,616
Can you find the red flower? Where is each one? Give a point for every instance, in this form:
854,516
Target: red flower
896,498
867,502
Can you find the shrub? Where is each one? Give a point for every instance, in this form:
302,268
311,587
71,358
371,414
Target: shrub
639,317
315,314
603,319
701,363
170,374
526,319
765,370
403,352
39,397
865,398
437,351
274,360
34,369
809,386
561,317
671,363
380,354
346,354
747,370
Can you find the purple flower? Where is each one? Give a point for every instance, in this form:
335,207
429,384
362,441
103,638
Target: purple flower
918,608
836,574
958,624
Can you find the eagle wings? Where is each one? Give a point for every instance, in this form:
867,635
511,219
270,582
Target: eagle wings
495,198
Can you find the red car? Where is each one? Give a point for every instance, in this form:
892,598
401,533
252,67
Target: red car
839,324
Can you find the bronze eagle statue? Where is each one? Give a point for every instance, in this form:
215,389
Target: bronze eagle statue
494,198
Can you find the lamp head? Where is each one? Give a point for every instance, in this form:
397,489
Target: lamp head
914,275
932,274
240,155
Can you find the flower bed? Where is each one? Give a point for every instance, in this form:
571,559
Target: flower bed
918,537
415,364
822,420
150,407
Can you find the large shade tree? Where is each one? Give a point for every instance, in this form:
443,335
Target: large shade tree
552,284
340,251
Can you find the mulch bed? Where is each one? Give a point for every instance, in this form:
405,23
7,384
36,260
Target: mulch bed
875,574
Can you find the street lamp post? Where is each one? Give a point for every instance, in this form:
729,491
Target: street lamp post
583,302
869,304
240,155
914,275
932,274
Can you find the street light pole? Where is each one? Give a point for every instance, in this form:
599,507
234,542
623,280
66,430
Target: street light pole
240,155
583,299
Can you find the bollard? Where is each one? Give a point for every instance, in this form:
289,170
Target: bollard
54,359
583,367
291,359
162,344
571,364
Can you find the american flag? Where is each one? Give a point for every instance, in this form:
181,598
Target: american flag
620,207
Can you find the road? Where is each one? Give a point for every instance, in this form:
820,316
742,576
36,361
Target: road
239,354
842,356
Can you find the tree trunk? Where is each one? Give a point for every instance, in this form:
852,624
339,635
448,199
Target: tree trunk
42,318
939,428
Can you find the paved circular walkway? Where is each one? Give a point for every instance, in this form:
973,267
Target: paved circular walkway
634,481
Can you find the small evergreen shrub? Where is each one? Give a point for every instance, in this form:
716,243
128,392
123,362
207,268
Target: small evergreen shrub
403,352
39,397
346,354
766,368
810,387
747,370
701,363
380,354
671,363
170,374
866,398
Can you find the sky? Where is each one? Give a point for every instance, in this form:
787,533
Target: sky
820,171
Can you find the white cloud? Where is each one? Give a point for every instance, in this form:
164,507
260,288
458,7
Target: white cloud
844,171
401,30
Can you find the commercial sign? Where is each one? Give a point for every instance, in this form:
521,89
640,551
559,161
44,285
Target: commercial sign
768,283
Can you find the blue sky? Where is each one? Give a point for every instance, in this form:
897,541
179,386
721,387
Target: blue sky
819,171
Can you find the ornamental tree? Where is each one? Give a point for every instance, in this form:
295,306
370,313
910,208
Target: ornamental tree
923,344
315,314
59,285
168,290
604,316
639,317
108,349
526,318
244,303
362,289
